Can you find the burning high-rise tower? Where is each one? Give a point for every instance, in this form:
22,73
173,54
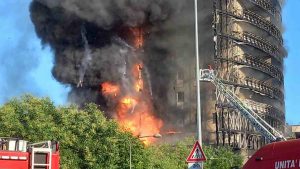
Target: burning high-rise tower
136,60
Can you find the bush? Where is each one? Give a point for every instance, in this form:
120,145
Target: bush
167,156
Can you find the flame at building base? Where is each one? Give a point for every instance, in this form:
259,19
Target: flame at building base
136,116
132,103
134,113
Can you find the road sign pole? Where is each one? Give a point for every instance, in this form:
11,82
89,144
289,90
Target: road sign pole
199,136
195,165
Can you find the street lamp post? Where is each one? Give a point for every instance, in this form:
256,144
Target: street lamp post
198,76
199,136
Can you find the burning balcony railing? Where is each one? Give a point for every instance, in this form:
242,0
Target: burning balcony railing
255,41
256,20
266,111
265,4
256,63
231,119
257,86
234,130
264,24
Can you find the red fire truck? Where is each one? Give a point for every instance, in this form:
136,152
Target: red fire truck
19,154
277,155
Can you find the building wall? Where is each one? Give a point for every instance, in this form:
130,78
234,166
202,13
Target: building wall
249,59
242,40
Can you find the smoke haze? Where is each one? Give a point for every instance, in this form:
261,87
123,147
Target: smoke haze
168,30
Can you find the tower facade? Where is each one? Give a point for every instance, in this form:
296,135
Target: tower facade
249,59
242,41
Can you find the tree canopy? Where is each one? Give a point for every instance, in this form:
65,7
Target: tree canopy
89,140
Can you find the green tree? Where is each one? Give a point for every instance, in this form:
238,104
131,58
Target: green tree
221,158
90,141
167,156
87,139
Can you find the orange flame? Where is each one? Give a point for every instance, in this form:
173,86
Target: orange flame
109,89
134,110
137,72
138,33
139,120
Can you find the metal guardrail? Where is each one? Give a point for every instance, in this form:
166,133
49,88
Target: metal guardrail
256,20
265,4
256,85
266,110
255,41
257,122
256,63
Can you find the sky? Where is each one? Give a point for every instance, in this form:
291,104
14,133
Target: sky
25,65
291,21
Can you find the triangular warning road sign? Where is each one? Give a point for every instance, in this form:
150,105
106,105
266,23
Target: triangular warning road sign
196,155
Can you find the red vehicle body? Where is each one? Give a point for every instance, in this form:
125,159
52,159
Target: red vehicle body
277,155
15,154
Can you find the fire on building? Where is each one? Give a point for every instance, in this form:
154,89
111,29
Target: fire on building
136,60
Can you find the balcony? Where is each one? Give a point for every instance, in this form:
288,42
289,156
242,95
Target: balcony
257,21
255,63
256,86
256,42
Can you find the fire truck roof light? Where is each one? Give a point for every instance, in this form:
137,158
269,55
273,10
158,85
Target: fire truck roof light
5,157
22,158
14,157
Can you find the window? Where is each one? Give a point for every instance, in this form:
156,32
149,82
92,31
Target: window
180,97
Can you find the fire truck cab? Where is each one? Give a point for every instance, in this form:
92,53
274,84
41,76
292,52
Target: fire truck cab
19,154
277,155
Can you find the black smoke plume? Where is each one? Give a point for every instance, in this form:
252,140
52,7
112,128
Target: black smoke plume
92,44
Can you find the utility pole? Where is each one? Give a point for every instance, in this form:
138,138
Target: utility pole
199,134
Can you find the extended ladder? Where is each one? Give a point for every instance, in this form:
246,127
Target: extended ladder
257,122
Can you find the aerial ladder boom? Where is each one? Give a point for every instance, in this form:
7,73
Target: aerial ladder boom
257,122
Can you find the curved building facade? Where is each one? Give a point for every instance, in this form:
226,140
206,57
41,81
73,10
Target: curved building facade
248,57
241,40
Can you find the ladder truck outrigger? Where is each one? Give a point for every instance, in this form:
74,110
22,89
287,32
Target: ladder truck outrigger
19,154
280,153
